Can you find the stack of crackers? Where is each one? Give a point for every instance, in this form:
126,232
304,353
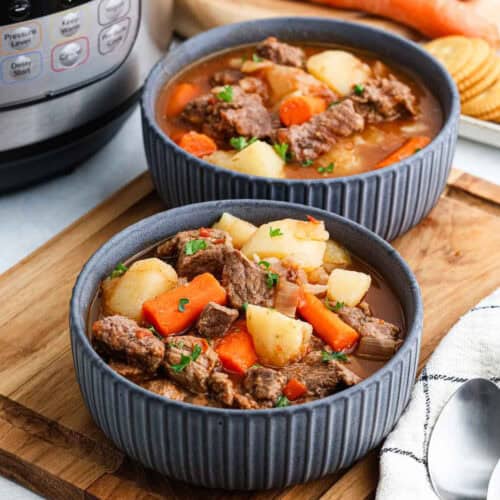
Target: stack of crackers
475,67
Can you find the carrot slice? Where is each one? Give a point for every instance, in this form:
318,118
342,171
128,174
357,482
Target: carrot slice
197,144
175,310
294,389
434,19
328,325
409,148
236,351
180,96
299,109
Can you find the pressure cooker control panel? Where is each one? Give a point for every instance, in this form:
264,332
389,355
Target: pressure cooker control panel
48,47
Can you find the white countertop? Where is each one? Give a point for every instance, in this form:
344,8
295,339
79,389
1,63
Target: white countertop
31,217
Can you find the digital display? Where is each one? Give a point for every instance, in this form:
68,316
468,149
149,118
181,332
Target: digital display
15,11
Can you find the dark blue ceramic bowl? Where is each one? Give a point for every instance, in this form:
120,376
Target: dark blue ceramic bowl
238,449
387,201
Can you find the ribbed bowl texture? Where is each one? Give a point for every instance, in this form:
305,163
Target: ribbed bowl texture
388,201
238,449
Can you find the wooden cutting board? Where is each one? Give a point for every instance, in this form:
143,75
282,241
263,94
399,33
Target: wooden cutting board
48,441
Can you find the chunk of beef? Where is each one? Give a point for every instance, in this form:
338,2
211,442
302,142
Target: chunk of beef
209,259
132,372
223,390
254,85
226,77
244,115
244,281
281,53
316,136
321,378
368,326
191,374
385,99
124,339
264,384
215,320
165,388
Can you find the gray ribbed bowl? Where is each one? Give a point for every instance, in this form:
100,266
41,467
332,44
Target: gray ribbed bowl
238,449
388,201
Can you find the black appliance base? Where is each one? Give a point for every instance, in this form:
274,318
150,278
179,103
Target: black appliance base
32,164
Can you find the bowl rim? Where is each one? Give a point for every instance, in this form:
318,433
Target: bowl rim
154,83
78,318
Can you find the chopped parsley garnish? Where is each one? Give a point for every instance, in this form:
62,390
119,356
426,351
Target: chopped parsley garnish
154,331
245,306
417,150
186,359
337,307
118,271
275,232
282,150
359,89
194,246
334,103
265,264
241,142
307,163
282,401
226,94
182,304
256,58
333,356
256,365
272,279
326,170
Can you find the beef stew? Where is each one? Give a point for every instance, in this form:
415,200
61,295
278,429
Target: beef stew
284,111
246,317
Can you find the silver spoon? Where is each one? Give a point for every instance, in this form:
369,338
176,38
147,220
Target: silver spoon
464,447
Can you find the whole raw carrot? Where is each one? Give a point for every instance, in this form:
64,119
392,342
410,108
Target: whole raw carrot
180,96
328,325
236,350
410,147
295,110
294,389
197,144
433,18
175,310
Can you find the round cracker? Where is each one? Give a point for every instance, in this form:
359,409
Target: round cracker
485,102
481,53
483,72
483,84
452,51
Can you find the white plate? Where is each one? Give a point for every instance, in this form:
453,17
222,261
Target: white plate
479,130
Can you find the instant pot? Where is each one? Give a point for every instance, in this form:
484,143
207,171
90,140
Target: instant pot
70,74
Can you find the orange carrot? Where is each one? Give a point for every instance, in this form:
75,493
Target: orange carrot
175,310
236,351
328,325
409,148
180,96
197,144
432,18
298,109
294,389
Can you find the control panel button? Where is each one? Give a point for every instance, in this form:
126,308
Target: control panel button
21,38
19,9
69,55
70,24
111,10
22,67
112,37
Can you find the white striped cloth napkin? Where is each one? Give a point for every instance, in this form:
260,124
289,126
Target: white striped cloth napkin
471,349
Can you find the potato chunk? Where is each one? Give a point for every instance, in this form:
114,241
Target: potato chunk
240,230
144,280
278,339
221,158
340,70
302,242
348,287
335,256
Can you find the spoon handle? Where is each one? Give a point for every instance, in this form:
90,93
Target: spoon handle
494,484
